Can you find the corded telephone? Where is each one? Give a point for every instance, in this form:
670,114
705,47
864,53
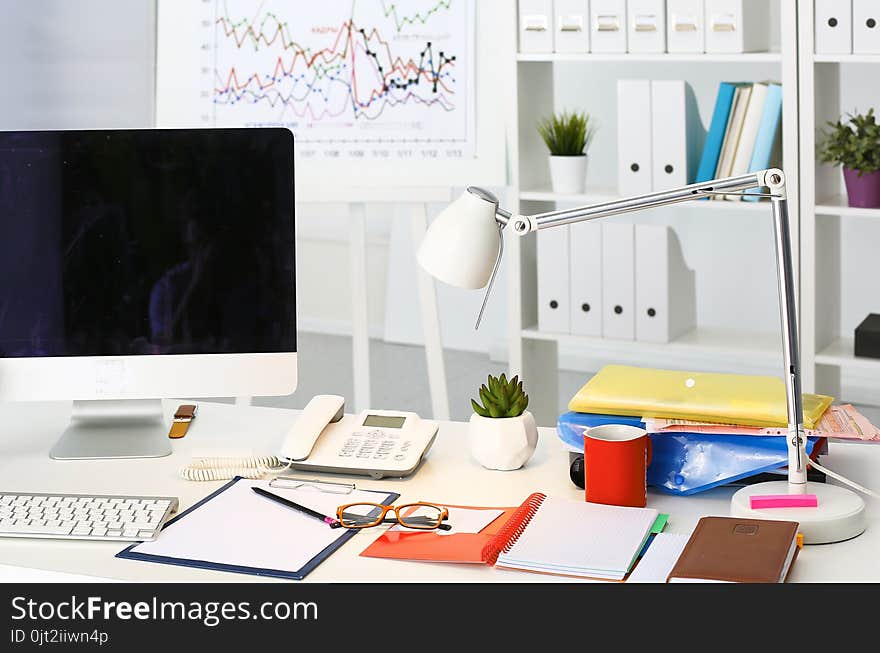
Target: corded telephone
375,443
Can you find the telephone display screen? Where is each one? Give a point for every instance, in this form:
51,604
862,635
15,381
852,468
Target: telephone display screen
384,421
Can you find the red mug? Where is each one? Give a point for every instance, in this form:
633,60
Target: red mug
616,459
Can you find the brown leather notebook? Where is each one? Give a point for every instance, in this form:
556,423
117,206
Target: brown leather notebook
735,550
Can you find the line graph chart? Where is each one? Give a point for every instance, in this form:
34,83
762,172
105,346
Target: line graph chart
355,79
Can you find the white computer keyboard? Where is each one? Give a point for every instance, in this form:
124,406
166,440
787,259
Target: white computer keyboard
84,517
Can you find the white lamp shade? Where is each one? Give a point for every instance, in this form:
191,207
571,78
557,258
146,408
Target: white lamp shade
462,243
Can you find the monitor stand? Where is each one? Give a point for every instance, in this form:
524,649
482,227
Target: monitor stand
114,429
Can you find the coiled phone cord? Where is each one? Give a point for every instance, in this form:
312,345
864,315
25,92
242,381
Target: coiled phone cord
222,469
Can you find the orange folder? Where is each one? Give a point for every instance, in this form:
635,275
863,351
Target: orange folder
482,547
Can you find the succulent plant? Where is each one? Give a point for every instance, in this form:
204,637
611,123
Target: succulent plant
501,398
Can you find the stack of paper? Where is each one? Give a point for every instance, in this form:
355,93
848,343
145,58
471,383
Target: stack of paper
842,422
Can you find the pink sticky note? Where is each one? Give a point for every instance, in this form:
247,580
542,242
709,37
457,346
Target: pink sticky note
784,501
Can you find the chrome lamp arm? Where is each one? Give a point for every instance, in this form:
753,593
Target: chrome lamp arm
772,179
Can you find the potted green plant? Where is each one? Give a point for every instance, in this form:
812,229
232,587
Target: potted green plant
855,145
568,136
503,434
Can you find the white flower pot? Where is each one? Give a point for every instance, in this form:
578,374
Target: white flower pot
505,443
568,174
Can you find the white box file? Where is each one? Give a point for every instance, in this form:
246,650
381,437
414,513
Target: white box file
536,26
834,27
685,26
571,20
618,281
677,134
608,26
553,280
646,26
866,27
734,26
585,263
666,291
634,176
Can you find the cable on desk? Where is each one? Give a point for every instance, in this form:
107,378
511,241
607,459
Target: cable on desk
222,469
842,479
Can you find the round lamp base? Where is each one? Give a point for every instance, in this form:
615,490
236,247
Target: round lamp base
839,516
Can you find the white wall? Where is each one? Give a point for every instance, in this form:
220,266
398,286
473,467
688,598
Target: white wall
81,64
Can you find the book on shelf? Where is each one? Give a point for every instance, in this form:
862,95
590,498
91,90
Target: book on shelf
767,152
748,133
744,133
715,136
733,131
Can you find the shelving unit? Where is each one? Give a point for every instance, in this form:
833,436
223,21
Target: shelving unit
838,279
837,205
741,345
747,57
842,58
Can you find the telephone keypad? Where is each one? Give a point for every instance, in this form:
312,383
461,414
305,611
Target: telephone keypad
375,444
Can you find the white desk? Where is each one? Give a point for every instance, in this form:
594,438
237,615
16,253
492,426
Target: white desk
448,475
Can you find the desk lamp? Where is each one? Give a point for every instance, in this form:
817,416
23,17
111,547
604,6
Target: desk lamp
462,243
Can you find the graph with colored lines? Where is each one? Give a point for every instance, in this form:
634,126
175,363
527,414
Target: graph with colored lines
353,79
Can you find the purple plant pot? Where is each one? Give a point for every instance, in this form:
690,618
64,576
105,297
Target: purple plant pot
864,191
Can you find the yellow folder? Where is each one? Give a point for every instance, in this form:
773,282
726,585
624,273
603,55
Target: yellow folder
700,396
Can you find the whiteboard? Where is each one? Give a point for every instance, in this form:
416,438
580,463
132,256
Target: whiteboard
378,93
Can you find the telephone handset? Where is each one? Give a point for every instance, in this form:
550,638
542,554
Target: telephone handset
319,413
376,443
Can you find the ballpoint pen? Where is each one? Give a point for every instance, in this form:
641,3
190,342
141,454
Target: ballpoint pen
330,521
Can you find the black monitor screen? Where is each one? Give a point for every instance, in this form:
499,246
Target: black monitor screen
118,243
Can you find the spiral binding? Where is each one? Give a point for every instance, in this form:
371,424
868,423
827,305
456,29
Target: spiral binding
514,527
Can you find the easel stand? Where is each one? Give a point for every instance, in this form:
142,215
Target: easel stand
415,201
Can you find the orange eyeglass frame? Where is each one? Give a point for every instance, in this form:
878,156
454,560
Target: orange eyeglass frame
379,519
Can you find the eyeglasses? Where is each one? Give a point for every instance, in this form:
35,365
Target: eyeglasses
422,516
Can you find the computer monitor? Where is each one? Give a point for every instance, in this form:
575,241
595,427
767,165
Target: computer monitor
137,265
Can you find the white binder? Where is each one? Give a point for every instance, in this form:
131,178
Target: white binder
585,264
685,26
634,137
553,280
834,27
666,305
535,26
646,25
608,25
571,26
678,134
618,281
866,26
734,26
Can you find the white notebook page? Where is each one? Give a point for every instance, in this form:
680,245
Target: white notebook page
579,538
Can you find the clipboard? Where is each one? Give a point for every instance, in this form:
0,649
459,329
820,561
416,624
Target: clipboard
266,539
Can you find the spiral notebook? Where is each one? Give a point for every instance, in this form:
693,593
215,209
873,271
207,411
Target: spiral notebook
544,535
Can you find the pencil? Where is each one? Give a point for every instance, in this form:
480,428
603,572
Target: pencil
330,521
